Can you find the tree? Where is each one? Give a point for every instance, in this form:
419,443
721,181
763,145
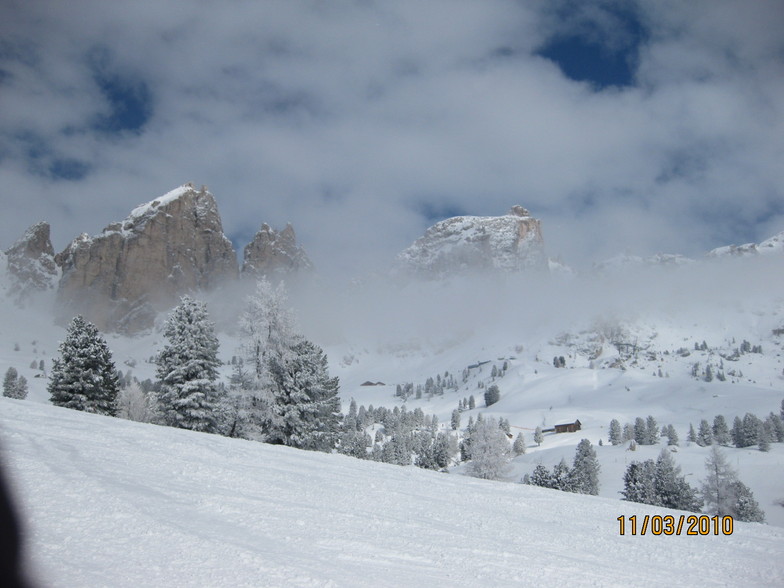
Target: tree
585,470
692,436
615,432
455,421
305,411
562,477
704,434
266,325
519,445
538,436
651,431
640,431
721,433
639,483
724,494
672,435
134,404
492,395
84,376
471,402
14,385
541,477
489,451
671,487
188,368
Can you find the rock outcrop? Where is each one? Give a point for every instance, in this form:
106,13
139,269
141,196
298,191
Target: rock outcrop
274,253
508,243
121,278
31,263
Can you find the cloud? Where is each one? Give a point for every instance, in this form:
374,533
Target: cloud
362,122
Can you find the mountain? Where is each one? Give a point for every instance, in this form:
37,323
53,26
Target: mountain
506,243
274,253
122,277
772,246
31,263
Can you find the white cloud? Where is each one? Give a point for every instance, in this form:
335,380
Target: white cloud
344,117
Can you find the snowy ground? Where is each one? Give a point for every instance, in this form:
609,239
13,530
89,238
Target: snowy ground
113,503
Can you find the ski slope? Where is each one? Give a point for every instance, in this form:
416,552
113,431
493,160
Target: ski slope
108,502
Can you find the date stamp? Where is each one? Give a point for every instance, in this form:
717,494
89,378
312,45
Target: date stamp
675,525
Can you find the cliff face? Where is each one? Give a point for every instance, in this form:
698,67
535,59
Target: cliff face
121,278
31,263
274,253
506,243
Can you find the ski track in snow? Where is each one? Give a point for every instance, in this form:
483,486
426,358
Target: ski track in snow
114,503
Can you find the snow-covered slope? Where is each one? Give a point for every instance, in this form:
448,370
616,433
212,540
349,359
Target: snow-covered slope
100,510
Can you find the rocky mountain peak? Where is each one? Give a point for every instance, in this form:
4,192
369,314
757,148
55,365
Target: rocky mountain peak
272,252
31,262
134,268
506,243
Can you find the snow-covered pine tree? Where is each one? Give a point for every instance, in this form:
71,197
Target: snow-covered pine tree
562,477
585,470
639,483
519,445
541,477
672,435
671,487
188,368
14,385
615,432
489,450
21,388
455,422
640,431
305,402
84,376
692,436
651,431
747,509
721,433
538,436
492,395
704,434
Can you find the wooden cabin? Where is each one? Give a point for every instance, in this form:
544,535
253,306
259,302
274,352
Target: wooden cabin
568,427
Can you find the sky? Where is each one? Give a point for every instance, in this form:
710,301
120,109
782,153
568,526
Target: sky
637,127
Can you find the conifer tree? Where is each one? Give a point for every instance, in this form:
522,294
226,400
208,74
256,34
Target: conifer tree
721,433
188,368
671,487
692,436
541,477
615,432
14,385
651,431
489,450
305,404
672,435
640,431
492,395
519,445
704,434
585,470
455,421
538,436
84,376
639,483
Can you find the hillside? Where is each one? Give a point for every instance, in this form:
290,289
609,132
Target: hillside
212,511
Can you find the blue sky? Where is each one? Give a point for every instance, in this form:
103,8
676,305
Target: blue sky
624,126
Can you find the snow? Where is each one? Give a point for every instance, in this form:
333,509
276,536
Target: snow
110,502
167,198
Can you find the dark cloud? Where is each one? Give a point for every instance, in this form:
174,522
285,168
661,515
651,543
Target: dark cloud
362,122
